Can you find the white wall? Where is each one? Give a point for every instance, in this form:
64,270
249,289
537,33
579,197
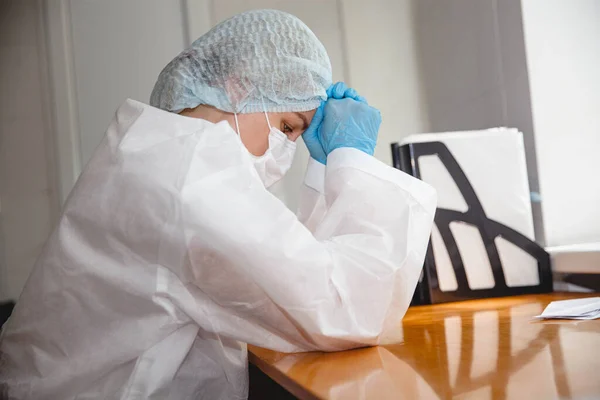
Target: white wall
378,59
121,61
474,72
428,65
29,205
563,54
326,24
382,63
109,65
104,52
68,64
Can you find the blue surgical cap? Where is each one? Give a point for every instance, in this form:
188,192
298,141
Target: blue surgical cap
261,60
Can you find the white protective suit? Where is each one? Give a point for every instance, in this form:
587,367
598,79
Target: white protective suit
171,255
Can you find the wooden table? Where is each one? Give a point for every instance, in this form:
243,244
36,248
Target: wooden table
480,349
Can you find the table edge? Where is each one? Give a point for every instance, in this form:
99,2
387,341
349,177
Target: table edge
281,378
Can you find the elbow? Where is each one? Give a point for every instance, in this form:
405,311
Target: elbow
339,341
345,330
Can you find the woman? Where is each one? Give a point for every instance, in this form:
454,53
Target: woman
171,254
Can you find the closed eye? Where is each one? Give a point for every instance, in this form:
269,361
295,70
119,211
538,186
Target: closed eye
285,128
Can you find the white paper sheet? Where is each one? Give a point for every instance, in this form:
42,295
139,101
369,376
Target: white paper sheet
586,308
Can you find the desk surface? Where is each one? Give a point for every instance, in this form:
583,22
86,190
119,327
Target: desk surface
480,349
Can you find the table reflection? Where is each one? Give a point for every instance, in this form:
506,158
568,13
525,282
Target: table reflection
485,349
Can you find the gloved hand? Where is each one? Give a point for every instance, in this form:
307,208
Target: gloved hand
349,123
311,136
338,90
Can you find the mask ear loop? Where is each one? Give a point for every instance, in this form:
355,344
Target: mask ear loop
265,111
237,126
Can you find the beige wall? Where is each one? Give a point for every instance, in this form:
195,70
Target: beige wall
429,65
474,72
371,46
66,66
101,52
27,184
110,65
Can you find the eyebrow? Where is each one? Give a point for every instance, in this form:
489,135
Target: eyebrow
304,120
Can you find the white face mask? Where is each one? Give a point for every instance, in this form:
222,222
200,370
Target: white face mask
277,160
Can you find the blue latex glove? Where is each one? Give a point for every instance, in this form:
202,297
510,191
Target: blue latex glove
349,123
311,136
338,91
